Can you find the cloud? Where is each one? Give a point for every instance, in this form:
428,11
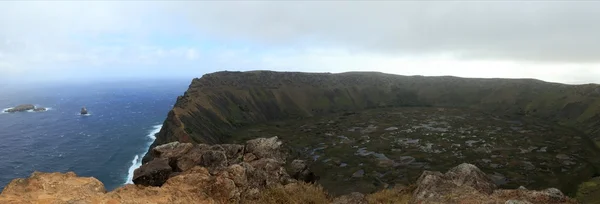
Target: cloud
553,31
554,40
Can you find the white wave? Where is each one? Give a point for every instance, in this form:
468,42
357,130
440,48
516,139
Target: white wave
137,159
3,110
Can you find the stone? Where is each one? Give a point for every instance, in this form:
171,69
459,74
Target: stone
358,174
470,175
432,186
265,148
153,173
352,198
391,128
191,158
172,150
234,152
300,171
552,193
298,166
213,159
248,157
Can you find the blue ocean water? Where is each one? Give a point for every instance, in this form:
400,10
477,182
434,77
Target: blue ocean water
106,144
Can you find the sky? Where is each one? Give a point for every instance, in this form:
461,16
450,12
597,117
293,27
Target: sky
554,41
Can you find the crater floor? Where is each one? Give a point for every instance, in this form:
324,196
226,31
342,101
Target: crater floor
369,150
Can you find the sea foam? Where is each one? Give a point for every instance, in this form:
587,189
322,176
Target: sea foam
3,110
137,160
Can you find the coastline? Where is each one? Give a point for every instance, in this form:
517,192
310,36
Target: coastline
137,159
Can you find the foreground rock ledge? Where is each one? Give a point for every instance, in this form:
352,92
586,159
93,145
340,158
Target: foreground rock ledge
186,173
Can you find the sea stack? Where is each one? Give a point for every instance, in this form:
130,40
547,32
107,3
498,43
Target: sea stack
84,111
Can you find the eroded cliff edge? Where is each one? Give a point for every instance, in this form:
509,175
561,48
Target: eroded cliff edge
218,103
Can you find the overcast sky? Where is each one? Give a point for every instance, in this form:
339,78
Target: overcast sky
51,40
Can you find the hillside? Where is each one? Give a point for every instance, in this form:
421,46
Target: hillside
216,104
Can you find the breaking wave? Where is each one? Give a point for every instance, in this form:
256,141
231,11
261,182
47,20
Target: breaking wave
137,160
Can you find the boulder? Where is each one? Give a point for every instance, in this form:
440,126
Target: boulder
234,152
171,150
39,109
267,172
469,175
468,184
265,148
300,171
153,173
213,159
191,158
466,178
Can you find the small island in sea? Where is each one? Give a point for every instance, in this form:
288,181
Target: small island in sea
25,107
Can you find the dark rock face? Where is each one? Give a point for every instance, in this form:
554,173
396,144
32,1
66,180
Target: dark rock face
154,173
21,108
84,111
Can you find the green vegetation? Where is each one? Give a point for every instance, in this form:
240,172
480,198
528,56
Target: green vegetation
393,146
589,192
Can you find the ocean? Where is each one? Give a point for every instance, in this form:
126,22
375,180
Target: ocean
107,144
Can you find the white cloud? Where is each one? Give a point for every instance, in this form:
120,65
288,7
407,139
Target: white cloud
553,41
191,54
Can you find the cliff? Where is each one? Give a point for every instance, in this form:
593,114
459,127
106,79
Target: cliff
254,173
218,103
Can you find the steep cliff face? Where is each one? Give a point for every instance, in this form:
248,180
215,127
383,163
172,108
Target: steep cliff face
218,103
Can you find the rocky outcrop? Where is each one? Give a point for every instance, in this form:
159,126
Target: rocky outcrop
179,173
25,107
239,171
20,108
468,184
218,103
261,181
84,111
